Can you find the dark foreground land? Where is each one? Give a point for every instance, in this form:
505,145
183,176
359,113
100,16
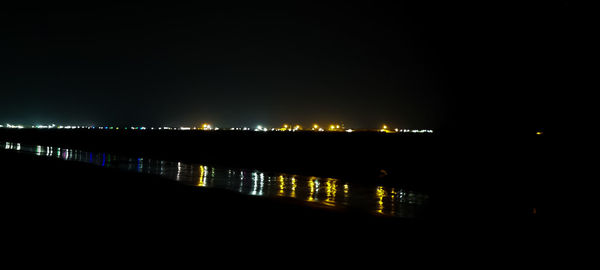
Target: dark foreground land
486,194
51,201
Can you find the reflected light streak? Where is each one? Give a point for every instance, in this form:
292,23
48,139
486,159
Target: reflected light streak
140,164
254,184
281,181
331,190
380,194
293,187
313,189
202,178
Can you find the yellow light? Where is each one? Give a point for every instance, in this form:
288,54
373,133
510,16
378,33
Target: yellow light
281,186
315,126
332,127
338,126
202,179
539,133
293,193
384,127
380,194
285,126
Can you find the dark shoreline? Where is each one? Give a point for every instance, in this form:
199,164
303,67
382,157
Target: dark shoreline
409,159
359,156
54,200
467,178
42,189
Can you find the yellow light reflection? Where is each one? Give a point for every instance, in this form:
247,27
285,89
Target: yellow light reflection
202,179
346,192
293,187
380,194
281,186
331,190
311,190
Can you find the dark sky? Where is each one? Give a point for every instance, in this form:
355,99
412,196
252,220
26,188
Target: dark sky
362,63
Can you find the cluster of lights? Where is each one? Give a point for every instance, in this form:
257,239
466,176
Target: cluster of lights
13,126
385,129
259,128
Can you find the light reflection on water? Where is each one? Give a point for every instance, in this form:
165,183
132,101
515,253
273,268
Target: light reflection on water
329,192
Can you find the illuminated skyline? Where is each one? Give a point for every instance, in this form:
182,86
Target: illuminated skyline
210,127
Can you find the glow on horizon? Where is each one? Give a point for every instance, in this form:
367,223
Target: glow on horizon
205,127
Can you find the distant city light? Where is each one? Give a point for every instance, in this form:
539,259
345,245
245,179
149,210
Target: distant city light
206,126
385,128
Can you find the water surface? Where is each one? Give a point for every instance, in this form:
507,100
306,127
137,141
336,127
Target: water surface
391,200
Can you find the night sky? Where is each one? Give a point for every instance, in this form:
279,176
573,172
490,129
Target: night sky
361,63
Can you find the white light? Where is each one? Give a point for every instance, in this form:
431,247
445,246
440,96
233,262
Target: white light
349,130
